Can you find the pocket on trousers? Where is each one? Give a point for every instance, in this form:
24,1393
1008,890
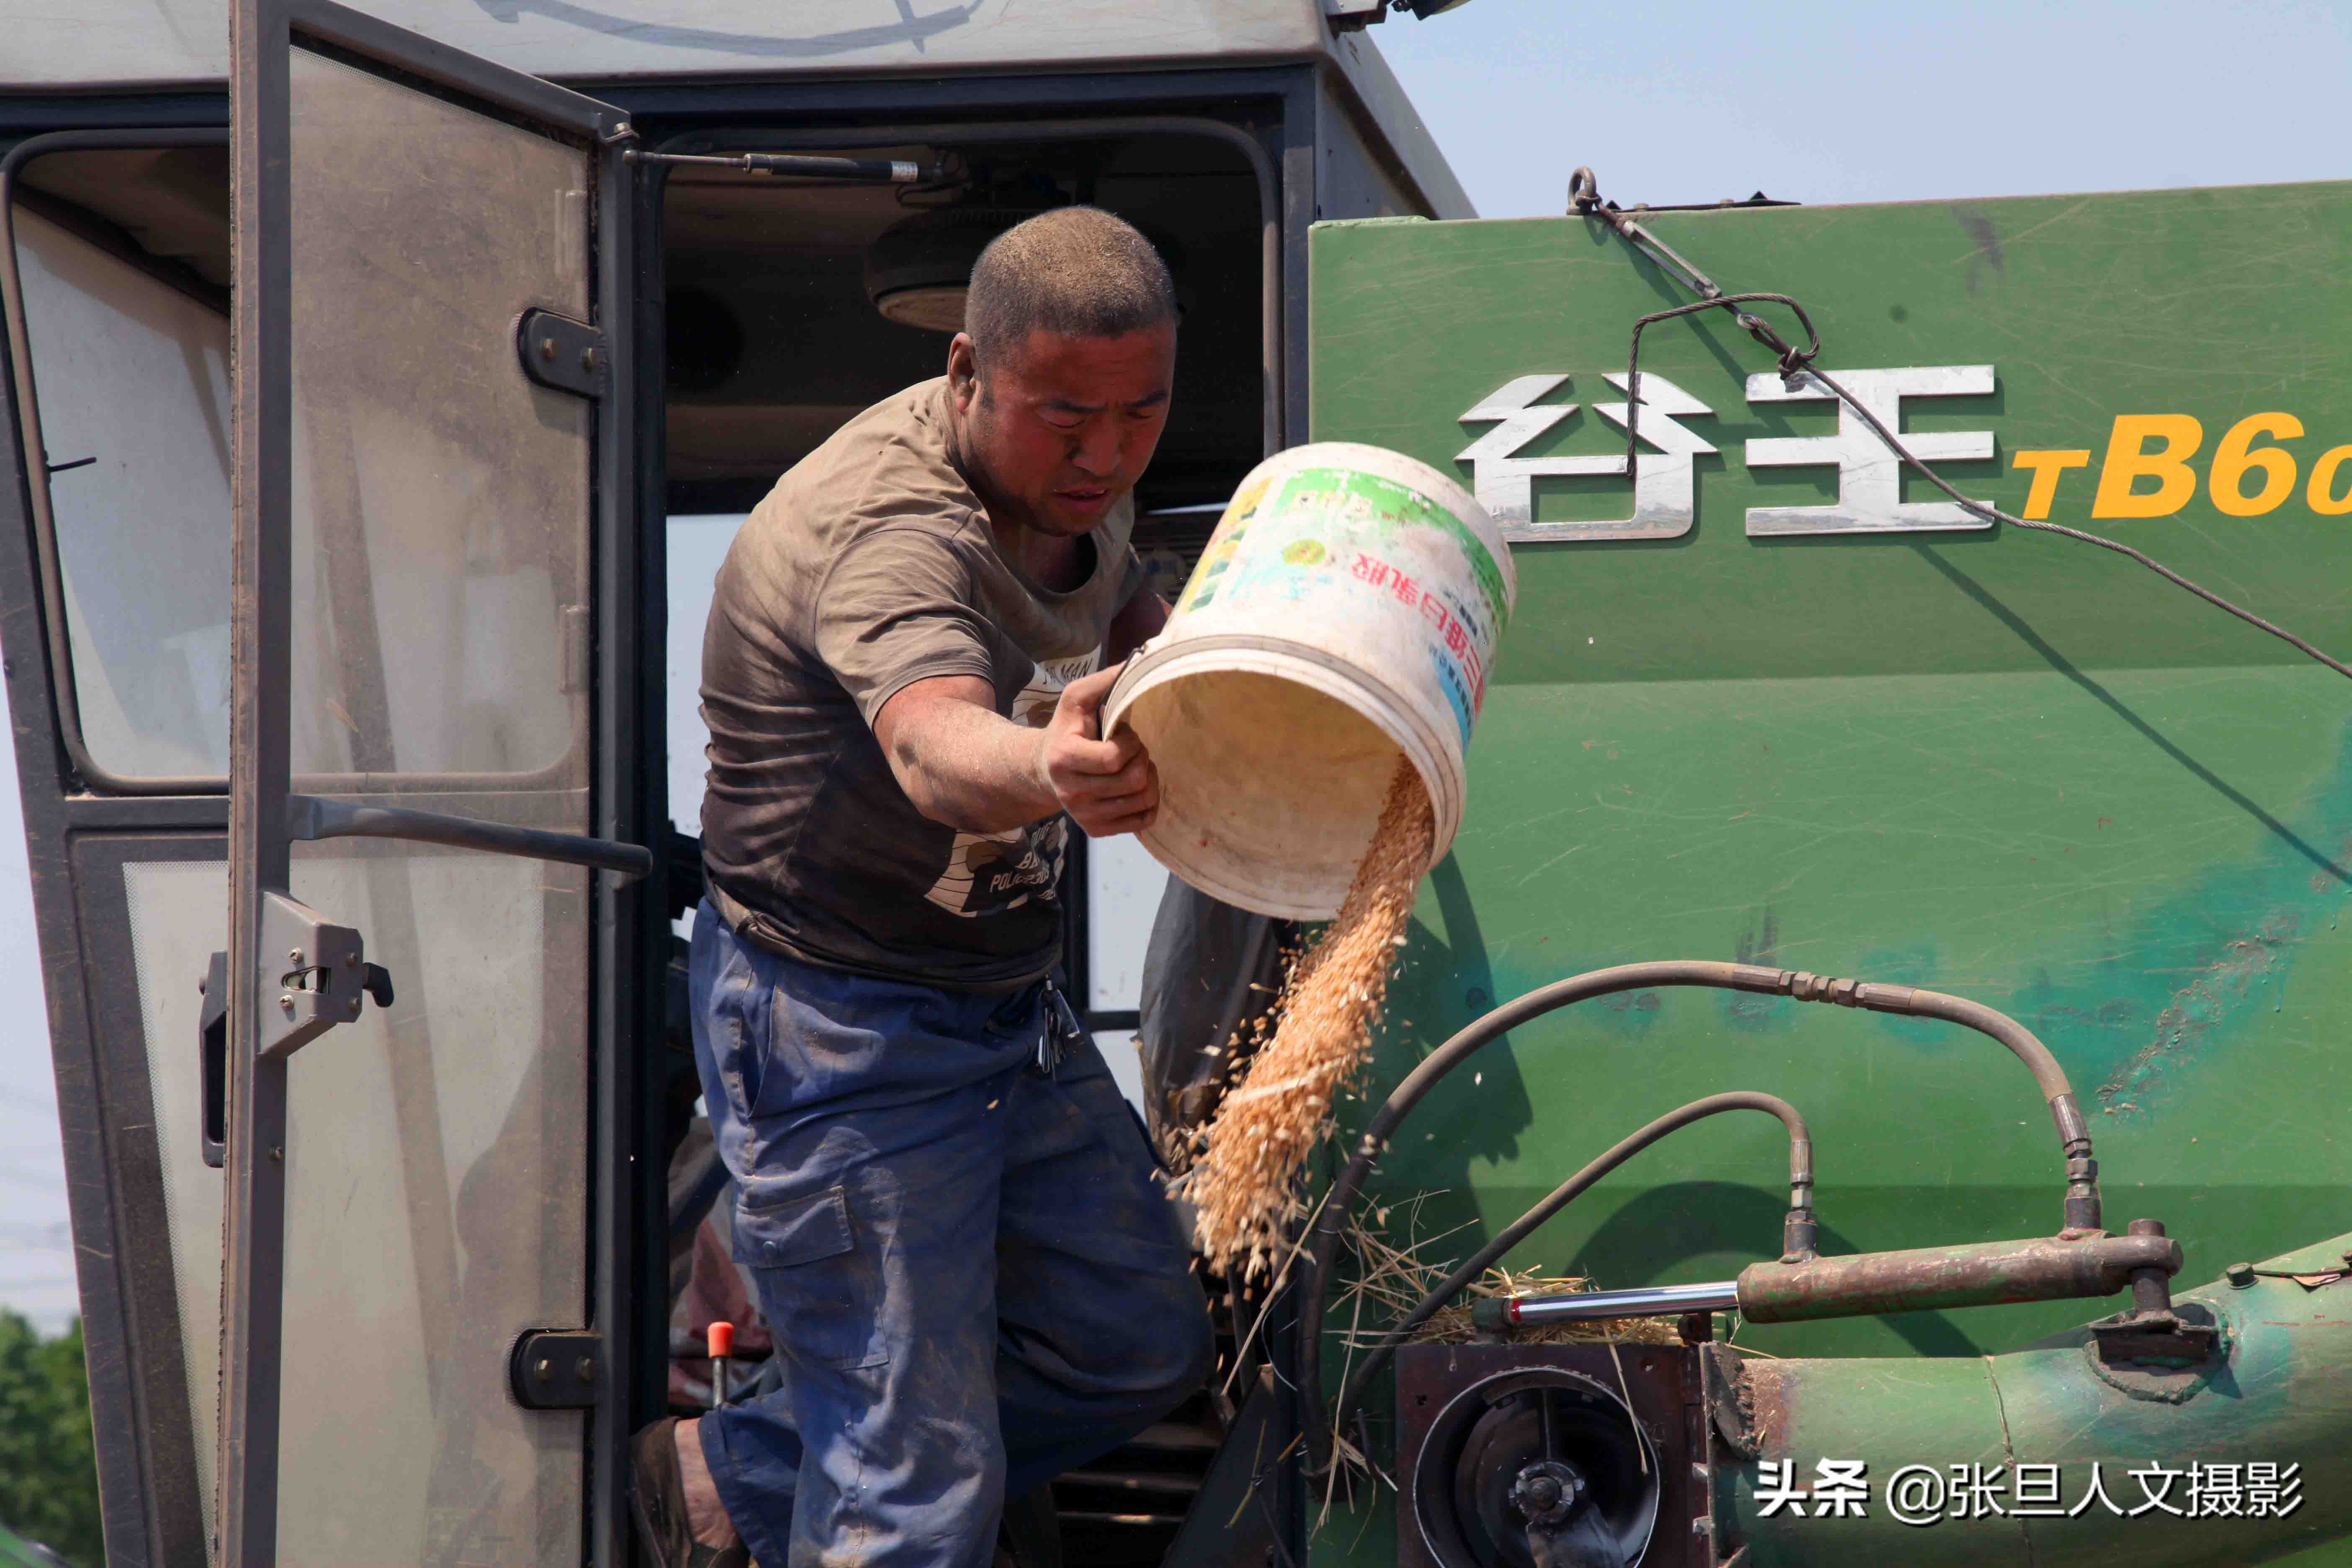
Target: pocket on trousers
819,1288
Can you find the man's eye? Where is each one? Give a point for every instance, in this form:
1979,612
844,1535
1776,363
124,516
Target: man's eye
1062,421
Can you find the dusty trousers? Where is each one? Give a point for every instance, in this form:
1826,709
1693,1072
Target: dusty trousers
973,1280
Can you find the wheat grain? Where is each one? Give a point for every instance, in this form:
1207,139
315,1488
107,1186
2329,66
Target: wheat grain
1242,1176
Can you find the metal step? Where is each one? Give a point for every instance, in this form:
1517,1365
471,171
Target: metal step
1133,1481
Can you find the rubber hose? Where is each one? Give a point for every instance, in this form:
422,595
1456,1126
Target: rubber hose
2073,1135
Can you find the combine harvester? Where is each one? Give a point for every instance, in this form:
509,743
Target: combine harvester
382,975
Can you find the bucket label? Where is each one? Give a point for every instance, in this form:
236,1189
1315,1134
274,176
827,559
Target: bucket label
1334,536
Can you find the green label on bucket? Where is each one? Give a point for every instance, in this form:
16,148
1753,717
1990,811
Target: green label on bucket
1362,505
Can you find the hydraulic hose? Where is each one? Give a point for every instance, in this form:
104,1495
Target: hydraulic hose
2081,1208
1798,1240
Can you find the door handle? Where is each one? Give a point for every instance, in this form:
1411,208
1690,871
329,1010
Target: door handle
310,816
212,1058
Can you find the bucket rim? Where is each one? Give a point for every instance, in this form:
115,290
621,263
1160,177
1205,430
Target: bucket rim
1428,751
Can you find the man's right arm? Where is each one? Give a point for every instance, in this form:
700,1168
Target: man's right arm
965,765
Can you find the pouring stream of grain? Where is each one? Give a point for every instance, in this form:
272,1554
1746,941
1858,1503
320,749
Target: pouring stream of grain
1240,1183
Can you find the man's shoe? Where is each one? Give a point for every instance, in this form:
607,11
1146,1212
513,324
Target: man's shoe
658,1499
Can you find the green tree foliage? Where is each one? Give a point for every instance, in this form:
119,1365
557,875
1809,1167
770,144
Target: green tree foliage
49,1471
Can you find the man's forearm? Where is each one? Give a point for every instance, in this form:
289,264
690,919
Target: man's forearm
967,767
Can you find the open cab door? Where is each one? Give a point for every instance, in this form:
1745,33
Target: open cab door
433,831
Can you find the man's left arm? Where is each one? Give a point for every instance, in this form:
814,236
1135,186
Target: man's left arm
1138,621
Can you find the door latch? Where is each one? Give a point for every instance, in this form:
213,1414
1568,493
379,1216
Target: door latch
313,975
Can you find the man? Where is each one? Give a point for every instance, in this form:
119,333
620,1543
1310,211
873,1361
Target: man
947,1207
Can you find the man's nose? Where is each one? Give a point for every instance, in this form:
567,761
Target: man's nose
1096,451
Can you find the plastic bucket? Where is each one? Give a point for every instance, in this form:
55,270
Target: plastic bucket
1345,613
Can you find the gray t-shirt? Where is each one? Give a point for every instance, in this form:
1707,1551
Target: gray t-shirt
871,565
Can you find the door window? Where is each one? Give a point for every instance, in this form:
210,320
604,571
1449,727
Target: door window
132,367
440,561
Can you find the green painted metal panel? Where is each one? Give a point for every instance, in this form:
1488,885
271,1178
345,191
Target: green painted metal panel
1993,762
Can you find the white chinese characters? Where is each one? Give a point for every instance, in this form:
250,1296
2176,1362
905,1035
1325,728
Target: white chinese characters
1869,475
1665,489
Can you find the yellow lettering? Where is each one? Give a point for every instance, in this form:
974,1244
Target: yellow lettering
2323,479
2046,467
2235,455
2129,461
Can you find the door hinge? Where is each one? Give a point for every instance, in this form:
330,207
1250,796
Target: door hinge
556,1369
560,353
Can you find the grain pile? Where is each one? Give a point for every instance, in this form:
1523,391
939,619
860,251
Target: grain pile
1241,1181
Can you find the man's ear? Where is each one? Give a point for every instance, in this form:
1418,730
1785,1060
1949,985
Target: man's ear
963,372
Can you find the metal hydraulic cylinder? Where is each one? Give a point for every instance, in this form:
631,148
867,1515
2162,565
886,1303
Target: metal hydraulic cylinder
1990,1459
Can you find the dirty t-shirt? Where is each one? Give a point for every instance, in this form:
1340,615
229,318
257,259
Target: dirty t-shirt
871,565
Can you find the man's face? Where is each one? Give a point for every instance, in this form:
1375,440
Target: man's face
1065,425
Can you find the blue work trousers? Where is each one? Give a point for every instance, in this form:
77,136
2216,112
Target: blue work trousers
974,1281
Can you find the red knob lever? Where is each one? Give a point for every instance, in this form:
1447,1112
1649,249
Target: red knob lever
721,1340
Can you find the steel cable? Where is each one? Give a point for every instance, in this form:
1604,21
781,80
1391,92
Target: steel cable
1584,196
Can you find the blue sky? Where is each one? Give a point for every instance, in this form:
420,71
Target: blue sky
1870,102
1818,102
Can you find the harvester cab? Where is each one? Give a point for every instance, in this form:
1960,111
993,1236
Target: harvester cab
380,411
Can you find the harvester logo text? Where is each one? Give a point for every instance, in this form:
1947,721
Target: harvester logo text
2148,468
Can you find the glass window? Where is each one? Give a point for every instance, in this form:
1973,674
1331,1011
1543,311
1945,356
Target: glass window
179,918
436,1178
441,497
133,378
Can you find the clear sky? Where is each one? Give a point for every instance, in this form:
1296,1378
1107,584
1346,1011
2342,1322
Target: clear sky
1865,101
1817,102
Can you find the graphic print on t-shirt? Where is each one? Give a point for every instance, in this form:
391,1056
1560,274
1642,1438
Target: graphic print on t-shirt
988,872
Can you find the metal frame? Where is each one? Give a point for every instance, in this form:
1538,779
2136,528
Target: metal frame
146,1461
264,33
1277,102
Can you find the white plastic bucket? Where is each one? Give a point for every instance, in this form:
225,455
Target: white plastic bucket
1346,611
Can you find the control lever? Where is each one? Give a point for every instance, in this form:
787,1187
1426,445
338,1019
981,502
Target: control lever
378,985
719,1341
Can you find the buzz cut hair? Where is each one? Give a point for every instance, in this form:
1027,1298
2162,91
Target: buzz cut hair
1077,271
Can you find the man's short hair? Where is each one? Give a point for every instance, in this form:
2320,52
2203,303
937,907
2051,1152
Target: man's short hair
1077,271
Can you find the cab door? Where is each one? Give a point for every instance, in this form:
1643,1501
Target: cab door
434,844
